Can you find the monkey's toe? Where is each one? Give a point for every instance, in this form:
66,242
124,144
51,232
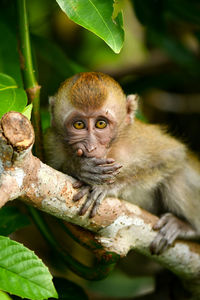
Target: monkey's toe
94,198
83,191
169,229
77,184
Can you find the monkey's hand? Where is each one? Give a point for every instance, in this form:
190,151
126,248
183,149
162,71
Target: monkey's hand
97,170
95,195
170,228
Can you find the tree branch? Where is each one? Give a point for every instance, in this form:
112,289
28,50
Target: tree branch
29,75
119,226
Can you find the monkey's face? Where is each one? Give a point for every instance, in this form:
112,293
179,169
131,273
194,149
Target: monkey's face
90,133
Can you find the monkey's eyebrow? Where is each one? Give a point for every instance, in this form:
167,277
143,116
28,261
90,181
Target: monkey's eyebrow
75,115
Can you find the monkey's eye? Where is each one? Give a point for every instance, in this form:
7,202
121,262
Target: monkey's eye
101,124
79,125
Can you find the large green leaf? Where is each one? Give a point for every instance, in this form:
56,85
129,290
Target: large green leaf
67,290
22,273
4,296
11,220
97,16
11,97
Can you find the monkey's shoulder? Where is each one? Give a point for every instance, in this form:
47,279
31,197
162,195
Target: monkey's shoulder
157,142
54,149
149,146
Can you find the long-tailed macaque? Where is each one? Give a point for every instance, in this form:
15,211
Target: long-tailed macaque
95,138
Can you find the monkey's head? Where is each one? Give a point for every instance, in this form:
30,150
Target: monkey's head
88,112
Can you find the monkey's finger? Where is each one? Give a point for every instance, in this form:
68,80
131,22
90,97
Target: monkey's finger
162,221
163,244
169,230
92,198
96,178
102,169
170,240
86,206
77,184
173,237
170,227
103,161
106,169
165,237
157,244
81,193
167,241
96,204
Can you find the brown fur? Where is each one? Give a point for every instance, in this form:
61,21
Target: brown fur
89,89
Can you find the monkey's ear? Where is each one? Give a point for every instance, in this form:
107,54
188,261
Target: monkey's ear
51,106
51,103
131,107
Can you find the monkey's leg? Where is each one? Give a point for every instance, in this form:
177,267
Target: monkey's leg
170,228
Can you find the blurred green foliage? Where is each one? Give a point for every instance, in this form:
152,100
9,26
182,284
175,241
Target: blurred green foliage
173,28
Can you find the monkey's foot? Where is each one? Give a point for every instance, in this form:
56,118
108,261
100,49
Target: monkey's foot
94,197
170,228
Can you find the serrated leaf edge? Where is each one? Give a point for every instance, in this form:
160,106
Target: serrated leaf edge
35,258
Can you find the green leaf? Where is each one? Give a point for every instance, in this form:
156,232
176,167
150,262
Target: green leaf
96,16
11,220
22,273
11,97
4,296
27,111
68,290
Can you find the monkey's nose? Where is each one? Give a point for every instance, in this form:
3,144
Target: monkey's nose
90,148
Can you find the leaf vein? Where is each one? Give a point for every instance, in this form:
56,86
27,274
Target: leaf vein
8,87
103,22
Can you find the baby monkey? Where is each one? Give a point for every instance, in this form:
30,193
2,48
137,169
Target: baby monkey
95,138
